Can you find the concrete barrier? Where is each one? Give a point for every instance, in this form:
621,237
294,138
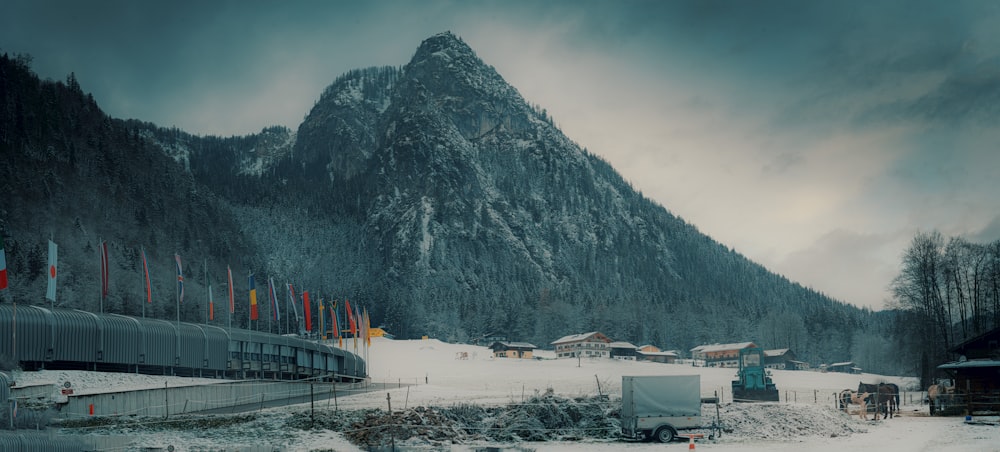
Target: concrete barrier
218,397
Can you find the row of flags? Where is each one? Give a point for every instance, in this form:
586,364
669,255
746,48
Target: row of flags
357,320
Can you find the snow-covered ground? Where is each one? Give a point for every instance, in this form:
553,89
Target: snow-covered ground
430,373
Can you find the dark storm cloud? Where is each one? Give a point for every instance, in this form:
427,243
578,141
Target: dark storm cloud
802,133
171,61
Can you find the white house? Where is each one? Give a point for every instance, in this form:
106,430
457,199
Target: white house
587,345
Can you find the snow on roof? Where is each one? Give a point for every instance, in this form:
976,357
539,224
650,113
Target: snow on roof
776,352
621,344
575,337
515,344
848,363
658,354
723,347
970,363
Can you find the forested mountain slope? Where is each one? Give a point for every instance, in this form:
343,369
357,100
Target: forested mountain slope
432,193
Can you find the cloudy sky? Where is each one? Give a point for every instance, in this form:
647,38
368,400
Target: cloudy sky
816,138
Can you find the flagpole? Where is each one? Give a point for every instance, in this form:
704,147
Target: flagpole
14,333
178,291
100,287
271,304
207,295
249,308
53,269
142,274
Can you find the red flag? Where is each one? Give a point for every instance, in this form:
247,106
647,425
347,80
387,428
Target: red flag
145,269
104,269
350,318
232,304
308,312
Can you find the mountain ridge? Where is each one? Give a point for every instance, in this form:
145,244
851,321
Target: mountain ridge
435,193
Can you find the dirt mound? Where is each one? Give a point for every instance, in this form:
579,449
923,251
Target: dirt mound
554,418
540,418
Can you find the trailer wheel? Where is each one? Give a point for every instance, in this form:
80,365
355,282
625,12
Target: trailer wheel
665,434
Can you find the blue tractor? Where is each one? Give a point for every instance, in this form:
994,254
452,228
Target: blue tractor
753,383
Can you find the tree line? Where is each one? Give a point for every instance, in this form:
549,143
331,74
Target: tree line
949,291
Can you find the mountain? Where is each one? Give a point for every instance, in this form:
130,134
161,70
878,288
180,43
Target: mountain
431,193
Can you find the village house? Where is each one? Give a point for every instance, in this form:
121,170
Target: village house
649,348
587,345
720,355
782,359
976,374
521,350
847,367
623,350
668,357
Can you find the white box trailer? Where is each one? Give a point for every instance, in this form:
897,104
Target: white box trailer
659,406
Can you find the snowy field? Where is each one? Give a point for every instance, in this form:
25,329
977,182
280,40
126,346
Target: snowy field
431,381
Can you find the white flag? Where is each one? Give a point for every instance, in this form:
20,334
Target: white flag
50,293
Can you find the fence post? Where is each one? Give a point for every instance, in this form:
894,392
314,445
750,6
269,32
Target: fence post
392,436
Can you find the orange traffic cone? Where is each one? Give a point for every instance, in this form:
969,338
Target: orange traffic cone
690,442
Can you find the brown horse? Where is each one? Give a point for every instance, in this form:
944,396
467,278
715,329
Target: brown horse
886,398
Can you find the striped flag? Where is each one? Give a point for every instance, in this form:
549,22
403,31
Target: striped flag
253,299
308,311
274,300
322,317
104,269
180,279
3,266
50,291
232,303
145,270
